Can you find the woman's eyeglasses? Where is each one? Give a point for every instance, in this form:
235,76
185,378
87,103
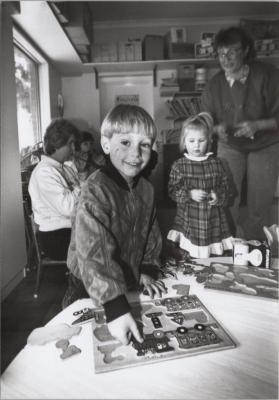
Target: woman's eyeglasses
228,53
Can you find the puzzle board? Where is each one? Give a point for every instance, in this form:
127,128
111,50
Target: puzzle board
172,327
243,279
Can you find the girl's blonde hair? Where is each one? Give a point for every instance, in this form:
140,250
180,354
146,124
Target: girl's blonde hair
203,120
126,118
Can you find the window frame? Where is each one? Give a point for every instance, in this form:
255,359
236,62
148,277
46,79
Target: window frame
25,44
35,99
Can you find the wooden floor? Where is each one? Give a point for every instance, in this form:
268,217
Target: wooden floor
21,313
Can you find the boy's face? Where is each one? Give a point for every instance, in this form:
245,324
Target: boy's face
129,152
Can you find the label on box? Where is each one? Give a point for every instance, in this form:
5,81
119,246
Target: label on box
253,252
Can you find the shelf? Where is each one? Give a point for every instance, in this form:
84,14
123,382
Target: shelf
119,67
142,66
131,66
159,65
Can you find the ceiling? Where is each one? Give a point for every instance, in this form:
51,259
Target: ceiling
136,10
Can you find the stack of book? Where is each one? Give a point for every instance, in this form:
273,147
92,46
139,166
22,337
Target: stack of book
169,87
184,107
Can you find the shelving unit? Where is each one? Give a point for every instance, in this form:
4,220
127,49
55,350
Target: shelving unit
155,65
143,66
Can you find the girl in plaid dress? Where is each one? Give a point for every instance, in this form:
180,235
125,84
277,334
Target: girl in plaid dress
199,185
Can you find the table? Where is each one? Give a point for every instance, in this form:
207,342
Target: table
249,371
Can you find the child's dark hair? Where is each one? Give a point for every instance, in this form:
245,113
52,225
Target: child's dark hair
127,118
84,136
236,34
202,120
57,135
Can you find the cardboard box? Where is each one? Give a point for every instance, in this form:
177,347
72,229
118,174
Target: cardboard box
126,51
267,46
153,47
253,252
177,35
203,50
176,51
186,71
96,53
137,49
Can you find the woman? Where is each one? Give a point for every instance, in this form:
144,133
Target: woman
54,189
243,99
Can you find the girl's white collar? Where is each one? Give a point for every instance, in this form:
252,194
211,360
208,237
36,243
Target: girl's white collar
201,158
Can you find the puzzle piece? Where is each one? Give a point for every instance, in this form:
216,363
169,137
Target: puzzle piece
107,351
40,336
182,290
70,351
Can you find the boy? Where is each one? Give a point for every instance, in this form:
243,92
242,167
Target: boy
116,242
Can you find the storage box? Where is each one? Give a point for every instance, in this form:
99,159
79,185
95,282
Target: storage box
137,49
176,51
267,46
96,53
204,50
109,52
177,35
253,252
153,47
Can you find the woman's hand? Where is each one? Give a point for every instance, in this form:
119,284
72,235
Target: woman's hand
221,131
152,286
123,327
198,195
246,129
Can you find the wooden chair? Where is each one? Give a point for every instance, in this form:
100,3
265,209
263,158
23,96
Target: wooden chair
41,259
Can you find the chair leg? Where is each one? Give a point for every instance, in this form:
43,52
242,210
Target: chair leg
38,278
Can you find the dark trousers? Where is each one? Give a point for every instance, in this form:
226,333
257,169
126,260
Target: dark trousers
55,244
75,291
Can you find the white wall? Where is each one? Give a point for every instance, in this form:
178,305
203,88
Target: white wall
81,99
13,257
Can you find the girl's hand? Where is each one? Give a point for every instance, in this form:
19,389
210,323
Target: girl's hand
123,327
198,195
152,286
246,129
213,198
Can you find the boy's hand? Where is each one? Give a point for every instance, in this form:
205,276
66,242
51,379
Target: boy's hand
122,328
213,198
152,286
198,195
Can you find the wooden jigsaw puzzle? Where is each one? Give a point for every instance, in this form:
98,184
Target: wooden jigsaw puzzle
172,327
243,279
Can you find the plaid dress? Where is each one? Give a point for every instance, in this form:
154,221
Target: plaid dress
199,228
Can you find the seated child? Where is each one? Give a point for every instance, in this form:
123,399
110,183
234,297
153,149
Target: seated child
54,189
85,159
116,242
199,185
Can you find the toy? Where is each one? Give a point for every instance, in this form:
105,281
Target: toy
40,336
172,327
68,351
243,279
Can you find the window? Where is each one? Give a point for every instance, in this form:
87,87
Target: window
28,107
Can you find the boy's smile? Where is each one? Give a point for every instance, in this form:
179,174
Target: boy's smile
129,152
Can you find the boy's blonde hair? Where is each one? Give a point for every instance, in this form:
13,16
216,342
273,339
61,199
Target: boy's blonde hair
126,118
202,120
